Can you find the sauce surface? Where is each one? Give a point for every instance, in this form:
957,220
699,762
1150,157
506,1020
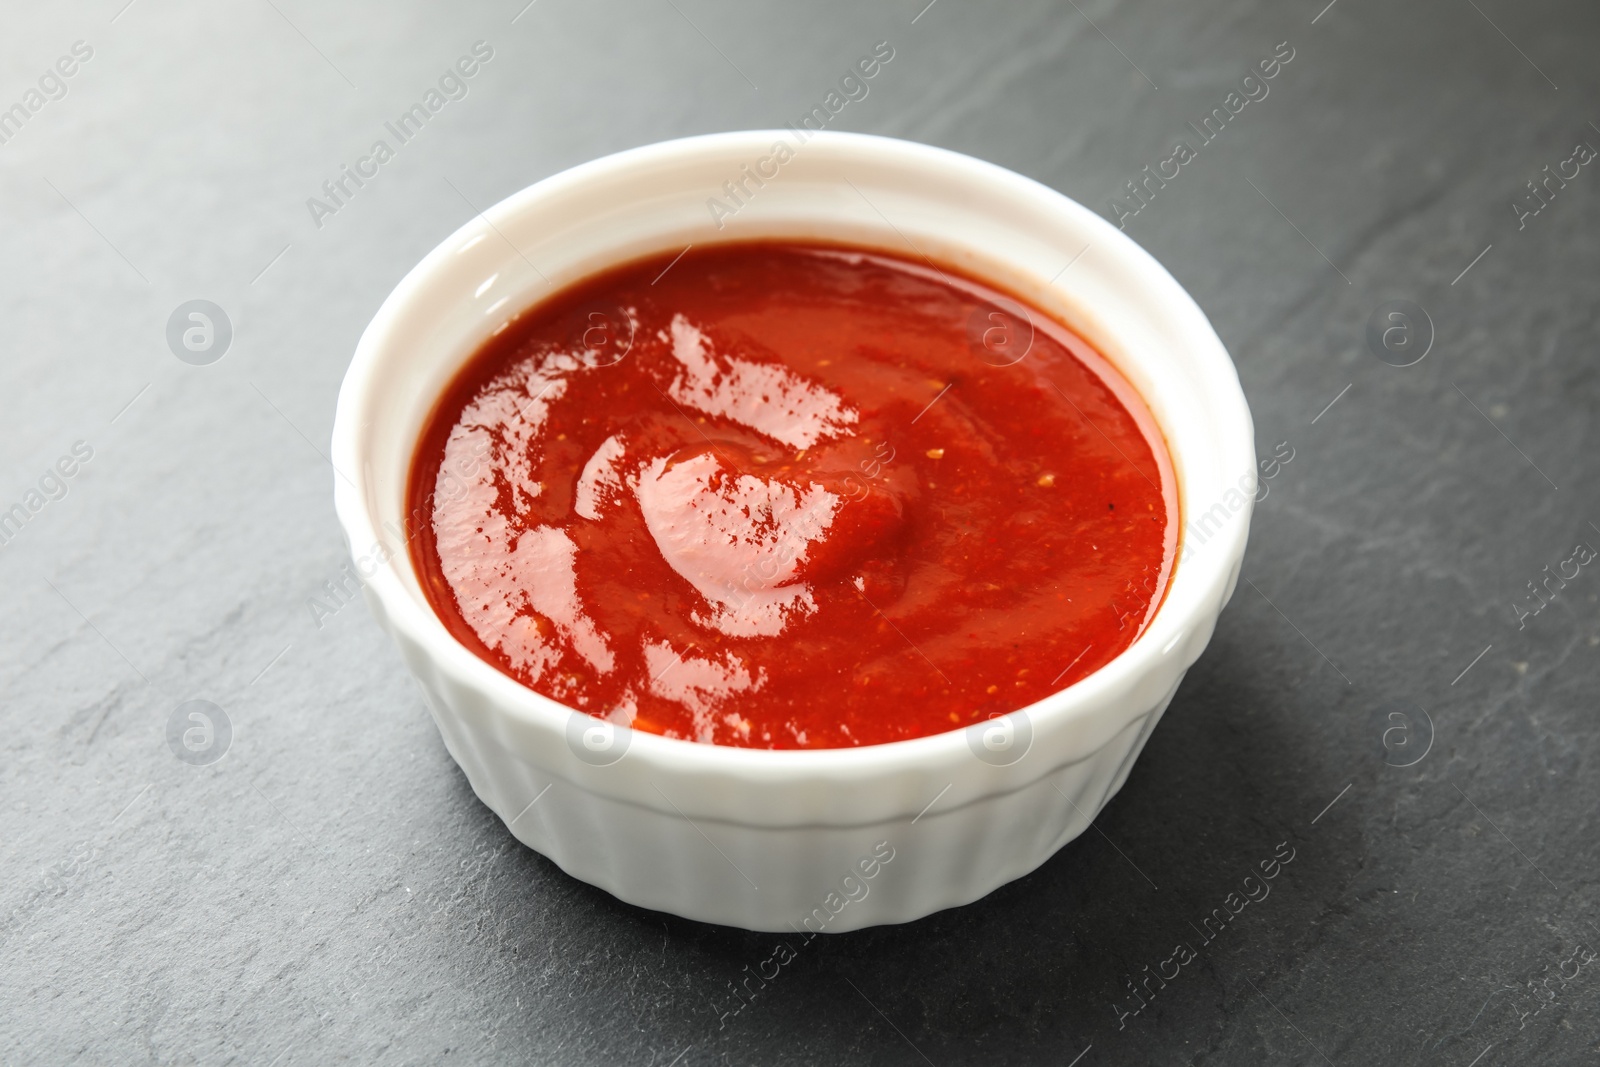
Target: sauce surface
790,496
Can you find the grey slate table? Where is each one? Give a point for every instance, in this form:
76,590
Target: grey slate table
1380,697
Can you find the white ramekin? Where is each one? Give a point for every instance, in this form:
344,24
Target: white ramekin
812,840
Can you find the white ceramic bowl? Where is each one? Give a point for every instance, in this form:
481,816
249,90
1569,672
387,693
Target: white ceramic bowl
835,839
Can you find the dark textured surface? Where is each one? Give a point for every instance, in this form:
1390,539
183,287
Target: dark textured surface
332,891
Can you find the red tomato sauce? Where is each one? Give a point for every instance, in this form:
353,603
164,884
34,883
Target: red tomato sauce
783,495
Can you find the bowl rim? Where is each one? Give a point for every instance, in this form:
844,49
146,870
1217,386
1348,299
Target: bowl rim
1061,710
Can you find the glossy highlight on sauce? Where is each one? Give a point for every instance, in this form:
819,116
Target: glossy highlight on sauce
782,495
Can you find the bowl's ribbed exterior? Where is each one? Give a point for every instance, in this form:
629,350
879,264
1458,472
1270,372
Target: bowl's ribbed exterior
790,878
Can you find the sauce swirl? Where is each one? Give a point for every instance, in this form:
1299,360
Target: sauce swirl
791,496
